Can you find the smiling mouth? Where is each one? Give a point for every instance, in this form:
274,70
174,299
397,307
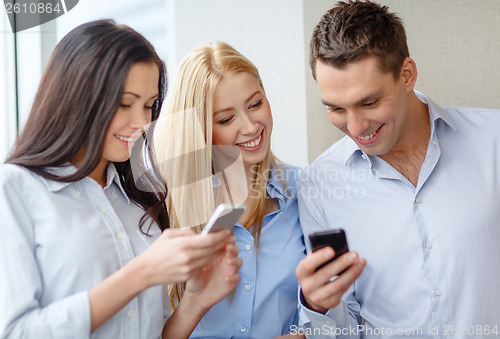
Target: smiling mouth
126,139
369,136
252,143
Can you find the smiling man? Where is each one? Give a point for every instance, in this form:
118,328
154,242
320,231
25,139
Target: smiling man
425,222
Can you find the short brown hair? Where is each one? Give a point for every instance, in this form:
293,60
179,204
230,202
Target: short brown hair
353,30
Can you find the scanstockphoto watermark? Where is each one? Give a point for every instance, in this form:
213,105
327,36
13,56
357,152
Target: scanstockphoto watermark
25,14
446,330
328,330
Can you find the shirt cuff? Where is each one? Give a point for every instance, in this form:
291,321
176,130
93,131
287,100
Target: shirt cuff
332,318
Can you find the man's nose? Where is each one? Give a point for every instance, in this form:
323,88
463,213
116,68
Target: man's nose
357,124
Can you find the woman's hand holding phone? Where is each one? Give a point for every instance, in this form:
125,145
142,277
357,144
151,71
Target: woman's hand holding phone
217,279
206,287
177,255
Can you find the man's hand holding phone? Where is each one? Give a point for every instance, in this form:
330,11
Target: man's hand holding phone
316,270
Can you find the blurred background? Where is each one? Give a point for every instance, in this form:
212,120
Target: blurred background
455,44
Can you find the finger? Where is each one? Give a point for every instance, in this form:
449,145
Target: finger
235,278
312,261
196,246
314,283
337,266
329,295
199,264
202,255
231,240
218,238
232,250
236,263
354,271
173,233
346,279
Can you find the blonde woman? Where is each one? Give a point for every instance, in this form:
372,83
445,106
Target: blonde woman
217,108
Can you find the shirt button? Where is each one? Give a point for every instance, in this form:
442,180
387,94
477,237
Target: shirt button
248,287
116,196
104,209
418,200
364,156
248,247
130,314
428,245
78,193
438,292
243,329
119,236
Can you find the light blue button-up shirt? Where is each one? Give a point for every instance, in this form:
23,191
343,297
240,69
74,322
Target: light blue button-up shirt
57,241
432,251
265,301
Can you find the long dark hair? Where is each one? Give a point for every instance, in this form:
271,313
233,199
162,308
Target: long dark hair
78,96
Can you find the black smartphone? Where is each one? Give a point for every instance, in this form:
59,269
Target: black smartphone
334,238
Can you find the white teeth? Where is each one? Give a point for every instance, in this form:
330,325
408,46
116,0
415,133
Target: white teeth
125,138
253,143
368,137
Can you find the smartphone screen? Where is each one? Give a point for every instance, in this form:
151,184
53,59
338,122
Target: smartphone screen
334,238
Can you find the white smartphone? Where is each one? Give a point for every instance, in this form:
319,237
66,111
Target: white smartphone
225,216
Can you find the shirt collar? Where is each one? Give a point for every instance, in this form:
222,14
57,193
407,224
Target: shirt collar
61,171
112,175
351,148
68,169
275,186
436,113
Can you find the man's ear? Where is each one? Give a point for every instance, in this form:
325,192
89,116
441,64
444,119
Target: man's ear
409,73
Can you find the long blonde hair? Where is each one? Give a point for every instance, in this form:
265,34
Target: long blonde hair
182,142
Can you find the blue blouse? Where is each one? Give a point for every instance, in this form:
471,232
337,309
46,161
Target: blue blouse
265,301
57,241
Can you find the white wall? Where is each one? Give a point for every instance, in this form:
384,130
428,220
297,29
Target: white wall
270,34
145,16
456,45
30,64
7,88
